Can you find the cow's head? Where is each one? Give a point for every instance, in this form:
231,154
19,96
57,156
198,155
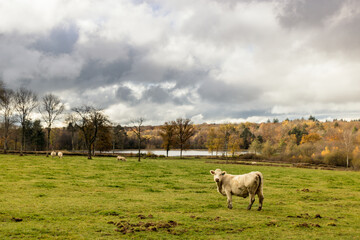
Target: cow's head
218,174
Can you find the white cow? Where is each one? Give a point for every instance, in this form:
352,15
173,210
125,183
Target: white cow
121,158
53,154
240,185
60,154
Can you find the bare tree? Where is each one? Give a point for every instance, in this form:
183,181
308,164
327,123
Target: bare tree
89,121
184,131
113,136
25,102
7,103
167,133
2,90
137,129
71,120
348,142
50,109
225,132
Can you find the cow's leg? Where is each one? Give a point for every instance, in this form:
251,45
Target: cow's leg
261,199
229,199
252,200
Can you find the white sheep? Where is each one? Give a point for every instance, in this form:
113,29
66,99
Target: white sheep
121,158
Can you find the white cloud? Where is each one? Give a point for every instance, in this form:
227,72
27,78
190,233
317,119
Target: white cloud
28,17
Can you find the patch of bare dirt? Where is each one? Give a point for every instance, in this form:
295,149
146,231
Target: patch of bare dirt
145,217
216,219
305,225
272,223
308,225
307,190
303,215
126,227
16,219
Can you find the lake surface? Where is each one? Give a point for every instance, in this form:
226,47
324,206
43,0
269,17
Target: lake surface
174,153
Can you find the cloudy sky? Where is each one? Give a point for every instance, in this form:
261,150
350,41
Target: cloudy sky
208,60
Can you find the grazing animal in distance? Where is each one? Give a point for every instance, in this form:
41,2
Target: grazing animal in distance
53,154
244,185
121,158
60,154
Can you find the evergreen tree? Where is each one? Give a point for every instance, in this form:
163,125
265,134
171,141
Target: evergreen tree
247,137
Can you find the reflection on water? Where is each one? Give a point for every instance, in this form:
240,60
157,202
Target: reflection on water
174,153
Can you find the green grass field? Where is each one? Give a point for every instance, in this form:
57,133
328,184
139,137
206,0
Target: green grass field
76,198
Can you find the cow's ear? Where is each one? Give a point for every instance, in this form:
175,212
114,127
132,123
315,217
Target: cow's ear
223,173
212,172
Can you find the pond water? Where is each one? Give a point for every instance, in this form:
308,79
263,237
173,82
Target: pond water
174,153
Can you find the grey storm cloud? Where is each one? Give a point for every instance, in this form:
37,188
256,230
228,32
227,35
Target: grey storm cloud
124,93
308,13
96,73
60,40
160,95
336,21
221,92
185,78
343,38
153,94
157,94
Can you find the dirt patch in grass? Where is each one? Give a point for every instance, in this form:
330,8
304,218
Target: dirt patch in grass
111,213
15,219
216,219
272,223
303,215
308,225
126,227
307,216
307,190
239,230
305,225
144,217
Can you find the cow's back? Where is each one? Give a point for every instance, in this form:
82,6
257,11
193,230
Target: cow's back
242,185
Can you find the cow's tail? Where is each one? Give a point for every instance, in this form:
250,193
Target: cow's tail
261,180
259,190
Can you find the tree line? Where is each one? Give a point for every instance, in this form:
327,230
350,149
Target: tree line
308,141
86,128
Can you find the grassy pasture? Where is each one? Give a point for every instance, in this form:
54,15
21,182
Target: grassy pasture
76,198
